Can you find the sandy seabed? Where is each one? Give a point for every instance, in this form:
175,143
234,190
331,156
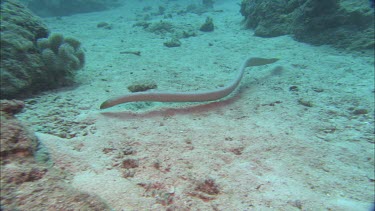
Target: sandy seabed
296,135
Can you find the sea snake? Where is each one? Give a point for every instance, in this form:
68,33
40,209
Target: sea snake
195,96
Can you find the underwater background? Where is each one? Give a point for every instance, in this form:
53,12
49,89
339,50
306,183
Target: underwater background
295,134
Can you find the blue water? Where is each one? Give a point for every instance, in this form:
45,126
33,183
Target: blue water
297,134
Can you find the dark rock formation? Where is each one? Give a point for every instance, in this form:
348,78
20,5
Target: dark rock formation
341,23
23,68
15,140
27,184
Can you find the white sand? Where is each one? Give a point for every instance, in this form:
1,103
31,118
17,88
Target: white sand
263,149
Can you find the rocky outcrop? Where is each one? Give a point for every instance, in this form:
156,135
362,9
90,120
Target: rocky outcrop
16,141
27,184
341,23
24,69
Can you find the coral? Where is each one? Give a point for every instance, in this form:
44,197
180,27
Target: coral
20,65
55,41
342,23
205,190
49,57
31,62
208,26
208,186
130,163
62,56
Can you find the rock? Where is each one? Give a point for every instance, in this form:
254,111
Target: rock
27,184
174,42
208,25
142,86
341,23
11,107
104,25
360,111
31,186
16,140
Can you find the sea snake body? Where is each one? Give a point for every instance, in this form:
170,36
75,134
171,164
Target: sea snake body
196,96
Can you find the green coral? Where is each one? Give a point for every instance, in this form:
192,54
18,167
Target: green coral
49,58
55,41
42,43
61,56
73,42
